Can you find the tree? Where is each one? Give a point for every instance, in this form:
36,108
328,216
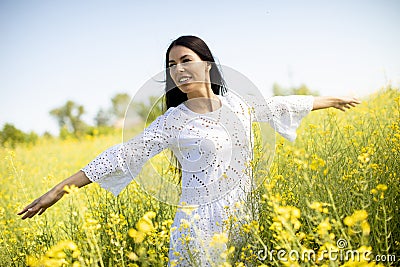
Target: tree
300,90
279,90
151,110
123,113
102,118
10,135
303,90
120,103
69,117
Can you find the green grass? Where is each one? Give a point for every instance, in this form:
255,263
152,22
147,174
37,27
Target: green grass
343,165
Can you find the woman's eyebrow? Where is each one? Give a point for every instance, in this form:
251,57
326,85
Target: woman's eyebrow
180,58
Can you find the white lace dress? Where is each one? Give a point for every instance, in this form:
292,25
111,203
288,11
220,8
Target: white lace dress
213,150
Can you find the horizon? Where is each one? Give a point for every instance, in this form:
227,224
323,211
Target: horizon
89,51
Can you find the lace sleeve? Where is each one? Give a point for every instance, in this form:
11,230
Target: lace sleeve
116,167
284,113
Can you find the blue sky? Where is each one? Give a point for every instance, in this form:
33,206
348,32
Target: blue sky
88,51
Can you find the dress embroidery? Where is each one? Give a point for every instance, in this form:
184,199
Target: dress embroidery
213,150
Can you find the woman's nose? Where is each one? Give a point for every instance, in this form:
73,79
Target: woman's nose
180,67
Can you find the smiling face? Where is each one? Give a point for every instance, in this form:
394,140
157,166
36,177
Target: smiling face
190,74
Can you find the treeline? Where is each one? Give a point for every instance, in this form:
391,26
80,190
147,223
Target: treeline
293,90
120,113
69,117
10,136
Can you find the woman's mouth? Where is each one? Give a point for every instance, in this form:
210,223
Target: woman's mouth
184,79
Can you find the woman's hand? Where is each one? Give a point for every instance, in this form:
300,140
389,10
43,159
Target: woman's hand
344,103
341,103
40,204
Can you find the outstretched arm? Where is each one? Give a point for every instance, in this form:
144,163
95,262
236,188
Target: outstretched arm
40,204
342,103
113,169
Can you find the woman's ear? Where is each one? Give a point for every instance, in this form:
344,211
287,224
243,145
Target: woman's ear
209,66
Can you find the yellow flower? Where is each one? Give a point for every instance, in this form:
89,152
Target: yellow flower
295,212
316,163
360,215
366,229
137,236
349,221
55,256
364,158
356,217
150,215
31,261
145,225
296,224
133,256
324,227
316,206
91,224
381,187
71,189
185,224
174,263
218,239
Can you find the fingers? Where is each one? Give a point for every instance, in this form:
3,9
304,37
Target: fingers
22,211
41,211
345,106
352,101
27,208
353,104
347,103
30,213
31,210
348,106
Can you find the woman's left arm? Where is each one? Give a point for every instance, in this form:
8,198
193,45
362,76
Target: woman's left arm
342,103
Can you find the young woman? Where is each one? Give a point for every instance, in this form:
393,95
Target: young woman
206,125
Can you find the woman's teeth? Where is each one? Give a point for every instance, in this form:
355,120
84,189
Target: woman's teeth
182,80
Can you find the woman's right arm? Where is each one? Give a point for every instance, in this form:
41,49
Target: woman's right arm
113,169
40,204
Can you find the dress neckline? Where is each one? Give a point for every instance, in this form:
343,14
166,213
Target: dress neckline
206,113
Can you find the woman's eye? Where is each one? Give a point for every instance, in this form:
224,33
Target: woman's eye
172,65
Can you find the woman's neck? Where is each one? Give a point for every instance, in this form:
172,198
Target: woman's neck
204,92
203,102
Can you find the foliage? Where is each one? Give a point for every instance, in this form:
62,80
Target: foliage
102,118
123,109
69,118
338,181
11,136
300,90
120,103
151,110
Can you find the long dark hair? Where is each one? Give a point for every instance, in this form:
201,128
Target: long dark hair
174,96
